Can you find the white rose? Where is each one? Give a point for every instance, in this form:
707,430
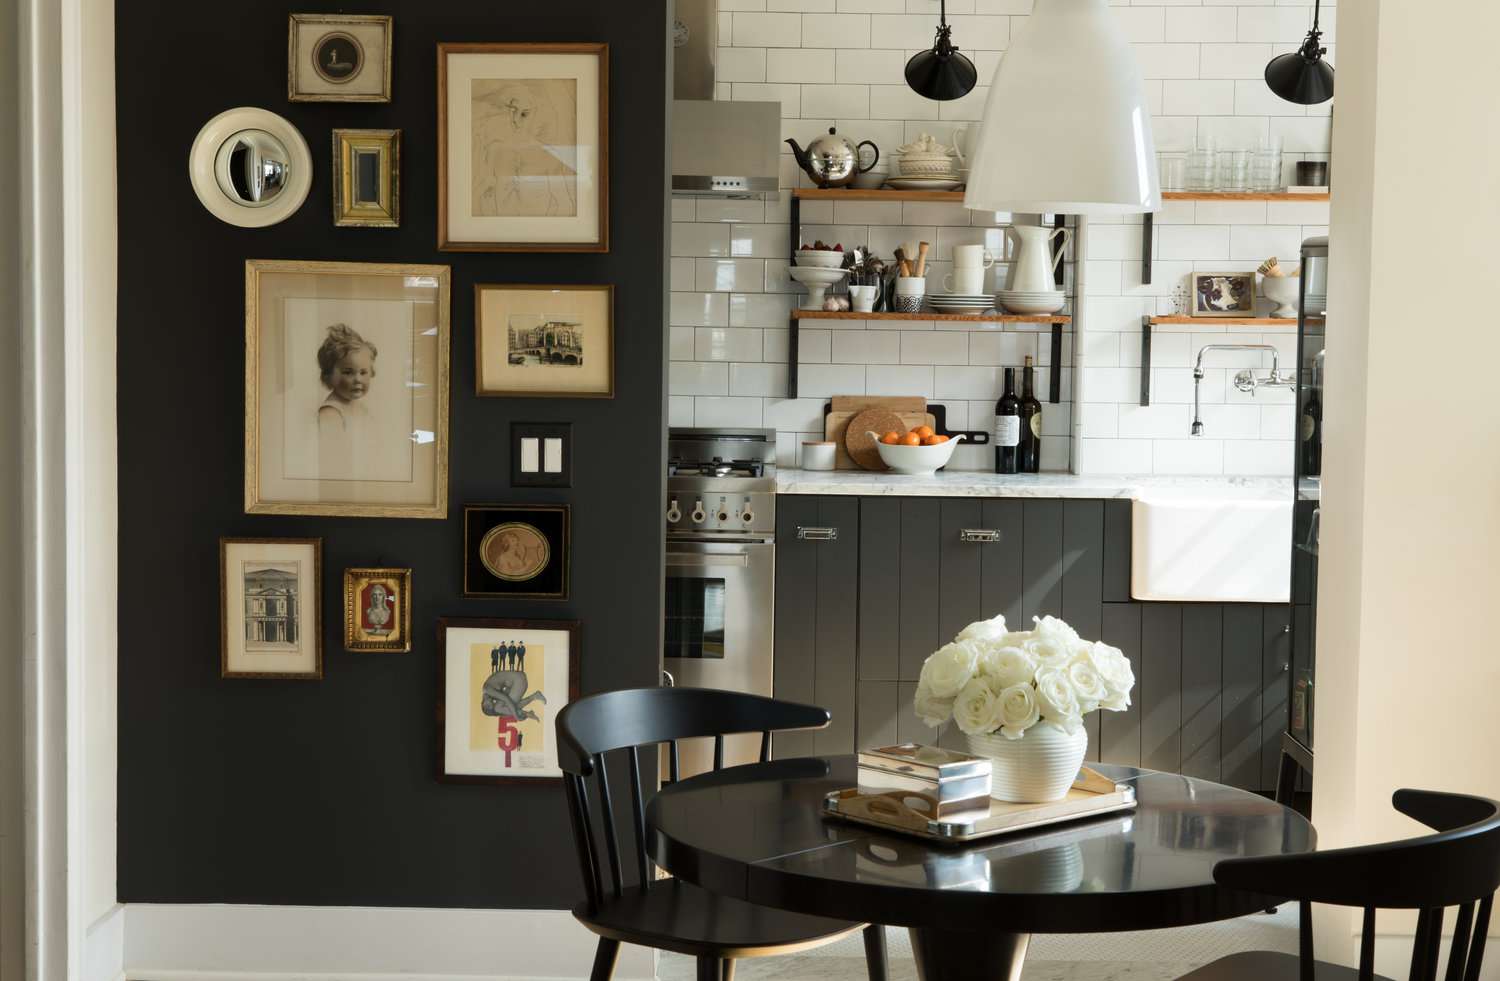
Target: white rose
947,670
1018,710
931,710
985,631
976,709
1005,667
1086,682
1015,638
1114,669
1057,699
1050,626
1050,650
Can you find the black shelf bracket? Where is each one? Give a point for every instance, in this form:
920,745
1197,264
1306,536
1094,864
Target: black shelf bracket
1054,380
1147,223
1146,359
792,331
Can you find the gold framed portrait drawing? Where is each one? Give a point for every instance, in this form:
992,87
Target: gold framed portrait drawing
367,177
377,610
544,341
338,58
523,147
346,389
268,608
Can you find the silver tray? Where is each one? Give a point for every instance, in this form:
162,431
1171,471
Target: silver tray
1090,795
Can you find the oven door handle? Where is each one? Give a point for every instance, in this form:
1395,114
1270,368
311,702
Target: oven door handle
739,560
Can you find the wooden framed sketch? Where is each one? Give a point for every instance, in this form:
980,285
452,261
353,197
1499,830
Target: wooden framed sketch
367,177
544,341
1226,294
269,598
346,389
517,551
523,147
501,684
377,610
338,58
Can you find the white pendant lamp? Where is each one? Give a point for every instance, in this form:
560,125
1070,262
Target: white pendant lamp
1066,128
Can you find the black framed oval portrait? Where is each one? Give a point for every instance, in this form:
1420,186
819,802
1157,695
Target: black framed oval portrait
516,550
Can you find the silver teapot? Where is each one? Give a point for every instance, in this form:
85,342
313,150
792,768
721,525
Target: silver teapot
832,160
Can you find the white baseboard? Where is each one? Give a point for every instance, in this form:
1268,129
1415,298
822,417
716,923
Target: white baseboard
338,943
104,947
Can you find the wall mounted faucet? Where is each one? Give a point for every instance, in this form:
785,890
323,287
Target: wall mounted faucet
1244,380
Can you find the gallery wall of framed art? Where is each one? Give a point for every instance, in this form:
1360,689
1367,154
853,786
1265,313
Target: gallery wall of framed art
290,383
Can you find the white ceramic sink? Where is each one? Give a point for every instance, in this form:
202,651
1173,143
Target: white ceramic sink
1211,547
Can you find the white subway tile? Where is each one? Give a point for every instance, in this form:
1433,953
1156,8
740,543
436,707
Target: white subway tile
778,279
977,32
760,241
698,310
1231,421
767,30
1298,212
1307,135
799,414
957,413
866,213
1167,60
731,275
828,380
1284,25
967,108
775,344
684,209
900,102
799,65
851,101
1174,133
726,6
866,66
1235,60
947,347
1262,457
759,309
1176,385
1104,384
730,209
1100,420
814,346
700,239
740,65
694,378
1140,25
802,6
1200,455
866,347
1278,422
1101,349
679,410
1020,8
726,37
682,275
1231,213
1003,347
1192,242
788,94
1160,419
1204,24
1107,313
1252,97
973,382
1233,132
680,343
727,344
1128,456
835,31
900,379
904,32
762,380
1104,277
731,412
941,213
871,6
1259,242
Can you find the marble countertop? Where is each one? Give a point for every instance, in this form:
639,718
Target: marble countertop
973,483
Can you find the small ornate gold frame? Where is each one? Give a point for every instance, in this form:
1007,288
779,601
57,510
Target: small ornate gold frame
354,579
350,147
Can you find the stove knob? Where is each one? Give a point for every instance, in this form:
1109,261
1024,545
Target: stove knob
747,515
674,513
698,513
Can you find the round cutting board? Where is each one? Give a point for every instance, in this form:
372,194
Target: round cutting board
857,441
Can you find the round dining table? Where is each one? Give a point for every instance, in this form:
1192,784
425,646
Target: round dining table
759,833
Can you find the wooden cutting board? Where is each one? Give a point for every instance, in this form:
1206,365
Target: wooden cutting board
911,411
857,440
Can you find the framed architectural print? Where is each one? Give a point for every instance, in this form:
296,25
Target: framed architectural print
346,389
544,341
518,551
268,608
367,177
501,684
523,147
338,58
377,610
1226,294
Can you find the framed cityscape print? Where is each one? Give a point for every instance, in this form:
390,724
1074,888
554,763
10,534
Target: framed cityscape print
544,341
377,610
367,178
523,147
338,58
346,389
517,551
501,684
268,608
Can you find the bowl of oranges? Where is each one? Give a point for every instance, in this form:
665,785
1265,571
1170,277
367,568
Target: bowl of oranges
918,451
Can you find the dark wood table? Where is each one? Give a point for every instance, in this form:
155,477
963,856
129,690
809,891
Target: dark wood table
758,833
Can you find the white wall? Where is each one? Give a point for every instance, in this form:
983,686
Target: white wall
839,62
1411,491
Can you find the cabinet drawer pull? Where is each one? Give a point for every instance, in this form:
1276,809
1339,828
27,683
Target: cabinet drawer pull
818,534
979,535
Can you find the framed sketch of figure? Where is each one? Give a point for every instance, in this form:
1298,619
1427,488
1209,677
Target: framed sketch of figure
268,608
523,147
346,389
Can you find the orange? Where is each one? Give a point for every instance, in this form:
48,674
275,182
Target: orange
911,439
933,440
891,438
923,431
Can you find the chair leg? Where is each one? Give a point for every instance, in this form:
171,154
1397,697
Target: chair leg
1286,780
875,962
728,973
710,968
605,956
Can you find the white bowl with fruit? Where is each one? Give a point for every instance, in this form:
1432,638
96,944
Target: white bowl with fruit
917,452
821,256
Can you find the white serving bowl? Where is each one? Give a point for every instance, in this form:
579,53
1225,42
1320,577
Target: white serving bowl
1284,291
917,461
1033,303
817,275
819,258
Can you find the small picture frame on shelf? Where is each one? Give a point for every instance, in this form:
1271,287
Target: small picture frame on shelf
1223,294
268,608
338,58
516,551
367,178
377,610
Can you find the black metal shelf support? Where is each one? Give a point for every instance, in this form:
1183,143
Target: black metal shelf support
1147,223
792,338
1146,359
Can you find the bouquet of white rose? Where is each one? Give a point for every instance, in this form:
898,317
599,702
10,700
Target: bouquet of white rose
990,679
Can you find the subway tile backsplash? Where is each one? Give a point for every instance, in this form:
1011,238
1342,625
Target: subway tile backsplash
838,63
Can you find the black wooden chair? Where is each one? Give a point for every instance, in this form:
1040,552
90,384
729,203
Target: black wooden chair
670,914
1459,866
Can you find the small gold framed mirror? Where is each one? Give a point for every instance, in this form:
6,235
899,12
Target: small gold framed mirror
367,177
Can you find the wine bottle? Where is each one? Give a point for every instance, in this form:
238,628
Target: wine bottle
1029,450
1007,426
1310,435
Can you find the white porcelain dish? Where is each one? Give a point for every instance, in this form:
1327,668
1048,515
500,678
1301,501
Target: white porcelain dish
816,275
820,258
924,183
917,461
1031,303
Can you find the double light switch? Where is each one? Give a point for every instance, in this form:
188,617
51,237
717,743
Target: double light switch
541,454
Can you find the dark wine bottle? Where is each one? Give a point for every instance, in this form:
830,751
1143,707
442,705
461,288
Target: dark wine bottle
1311,435
1007,426
1029,450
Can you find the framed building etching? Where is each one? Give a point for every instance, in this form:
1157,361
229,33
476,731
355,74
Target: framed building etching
544,341
268,608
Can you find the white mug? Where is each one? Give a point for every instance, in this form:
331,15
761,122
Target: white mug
972,257
970,281
862,298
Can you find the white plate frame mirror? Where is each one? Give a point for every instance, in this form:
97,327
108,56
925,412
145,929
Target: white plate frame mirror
250,167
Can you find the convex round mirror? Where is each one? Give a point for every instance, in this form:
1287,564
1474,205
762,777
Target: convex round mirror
250,167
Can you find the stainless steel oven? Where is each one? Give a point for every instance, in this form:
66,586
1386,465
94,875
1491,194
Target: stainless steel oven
721,571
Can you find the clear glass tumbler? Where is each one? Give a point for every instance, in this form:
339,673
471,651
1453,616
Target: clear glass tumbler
1265,171
1234,170
1171,169
1202,170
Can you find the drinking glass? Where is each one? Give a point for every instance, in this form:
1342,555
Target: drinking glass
1234,170
1265,170
1201,170
1171,169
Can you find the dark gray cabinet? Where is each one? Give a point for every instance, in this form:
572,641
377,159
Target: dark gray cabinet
857,614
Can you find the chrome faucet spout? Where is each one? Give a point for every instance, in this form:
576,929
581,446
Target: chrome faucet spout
1245,380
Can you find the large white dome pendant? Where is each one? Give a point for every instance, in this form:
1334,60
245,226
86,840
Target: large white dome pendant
1066,128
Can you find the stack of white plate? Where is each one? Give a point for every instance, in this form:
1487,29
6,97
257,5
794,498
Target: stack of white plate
960,302
1031,301
949,183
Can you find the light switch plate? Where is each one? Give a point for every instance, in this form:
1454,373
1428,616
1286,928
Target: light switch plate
541,454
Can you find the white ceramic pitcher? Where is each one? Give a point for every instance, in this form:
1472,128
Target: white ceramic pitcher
1034,264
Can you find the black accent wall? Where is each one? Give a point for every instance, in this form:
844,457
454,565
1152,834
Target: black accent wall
323,792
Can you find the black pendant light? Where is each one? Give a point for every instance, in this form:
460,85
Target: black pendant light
941,73
1303,76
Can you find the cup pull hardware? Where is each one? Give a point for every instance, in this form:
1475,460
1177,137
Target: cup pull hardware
817,534
979,535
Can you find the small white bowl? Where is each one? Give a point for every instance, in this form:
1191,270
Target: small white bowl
819,258
917,461
1031,304
817,275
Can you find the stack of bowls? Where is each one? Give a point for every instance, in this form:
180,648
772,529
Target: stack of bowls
818,269
1031,301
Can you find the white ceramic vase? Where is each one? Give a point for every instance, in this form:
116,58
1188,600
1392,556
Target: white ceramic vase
1037,768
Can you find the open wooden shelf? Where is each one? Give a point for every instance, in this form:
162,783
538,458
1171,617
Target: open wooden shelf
872,194
1242,196
968,318
1230,321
